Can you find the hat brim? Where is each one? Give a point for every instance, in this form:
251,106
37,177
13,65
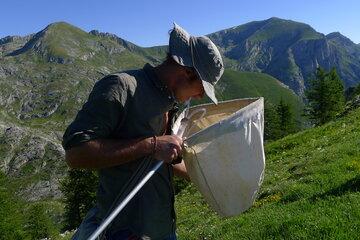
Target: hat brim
210,91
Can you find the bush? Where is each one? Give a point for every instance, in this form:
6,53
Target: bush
10,216
38,224
79,189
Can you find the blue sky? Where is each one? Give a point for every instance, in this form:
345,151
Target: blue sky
146,23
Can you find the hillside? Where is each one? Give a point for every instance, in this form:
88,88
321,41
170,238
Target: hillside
235,84
311,191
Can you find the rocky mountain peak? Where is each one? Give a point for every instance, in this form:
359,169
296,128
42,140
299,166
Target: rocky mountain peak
9,39
337,36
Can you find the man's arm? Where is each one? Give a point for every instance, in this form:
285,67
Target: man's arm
103,153
180,171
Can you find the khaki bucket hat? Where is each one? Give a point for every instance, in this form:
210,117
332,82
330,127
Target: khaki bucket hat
199,53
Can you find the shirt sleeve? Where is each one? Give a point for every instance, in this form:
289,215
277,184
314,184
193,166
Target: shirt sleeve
104,110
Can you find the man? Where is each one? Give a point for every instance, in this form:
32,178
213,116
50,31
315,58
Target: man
121,132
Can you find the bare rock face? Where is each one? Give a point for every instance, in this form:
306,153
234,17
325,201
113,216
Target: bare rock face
41,190
10,138
32,150
13,135
11,43
33,157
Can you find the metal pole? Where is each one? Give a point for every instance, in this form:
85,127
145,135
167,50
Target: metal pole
118,209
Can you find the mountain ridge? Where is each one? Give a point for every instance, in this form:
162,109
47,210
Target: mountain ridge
288,50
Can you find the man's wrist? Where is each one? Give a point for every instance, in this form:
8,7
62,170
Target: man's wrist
154,145
149,146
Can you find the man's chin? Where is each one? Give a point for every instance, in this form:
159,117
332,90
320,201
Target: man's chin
180,99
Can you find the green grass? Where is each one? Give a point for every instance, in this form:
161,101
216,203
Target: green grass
311,191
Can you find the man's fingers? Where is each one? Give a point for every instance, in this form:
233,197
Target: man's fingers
178,139
174,155
178,148
170,147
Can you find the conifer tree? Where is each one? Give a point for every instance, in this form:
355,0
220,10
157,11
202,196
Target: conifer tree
325,97
286,120
38,224
336,98
271,122
79,189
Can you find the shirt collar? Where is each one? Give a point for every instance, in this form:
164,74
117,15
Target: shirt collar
150,73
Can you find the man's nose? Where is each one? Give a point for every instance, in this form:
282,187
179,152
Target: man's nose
199,96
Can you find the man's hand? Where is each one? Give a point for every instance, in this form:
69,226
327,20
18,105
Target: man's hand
103,153
168,148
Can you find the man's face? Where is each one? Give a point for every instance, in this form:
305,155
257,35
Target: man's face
189,85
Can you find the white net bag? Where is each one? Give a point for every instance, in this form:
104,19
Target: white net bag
224,153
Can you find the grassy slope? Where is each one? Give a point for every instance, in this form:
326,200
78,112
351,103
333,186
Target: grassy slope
311,191
234,84
244,84
249,84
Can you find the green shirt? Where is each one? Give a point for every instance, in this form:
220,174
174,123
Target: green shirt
129,105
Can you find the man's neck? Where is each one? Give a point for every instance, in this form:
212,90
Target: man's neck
162,73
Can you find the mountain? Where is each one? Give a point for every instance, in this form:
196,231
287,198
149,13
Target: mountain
289,51
33,160
49,73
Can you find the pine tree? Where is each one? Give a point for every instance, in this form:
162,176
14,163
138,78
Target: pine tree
271,124
286,120
279,120
11,217
336,98
79,189
325,97
38,224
